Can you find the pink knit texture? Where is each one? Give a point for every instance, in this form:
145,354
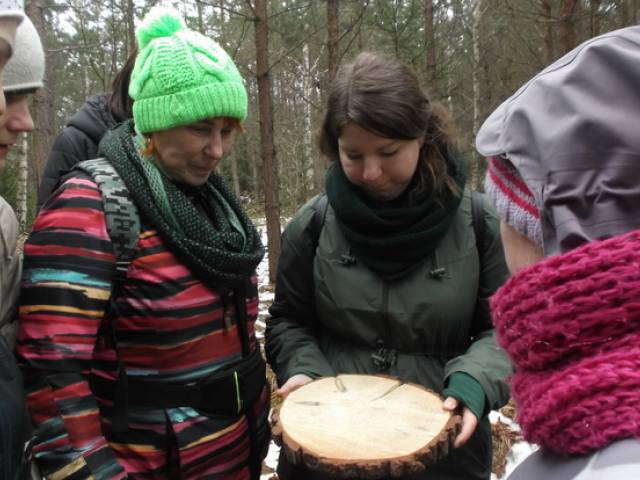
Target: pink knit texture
571,325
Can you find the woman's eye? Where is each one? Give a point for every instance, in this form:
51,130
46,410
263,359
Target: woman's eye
200,129
353,156
226,132
389,154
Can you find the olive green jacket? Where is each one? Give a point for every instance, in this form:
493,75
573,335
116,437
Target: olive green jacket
331,314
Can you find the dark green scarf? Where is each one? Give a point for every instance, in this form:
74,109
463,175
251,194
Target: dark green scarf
222,248
393,237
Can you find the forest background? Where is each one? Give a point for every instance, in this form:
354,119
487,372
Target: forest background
469,54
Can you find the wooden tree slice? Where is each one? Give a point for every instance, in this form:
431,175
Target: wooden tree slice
364,426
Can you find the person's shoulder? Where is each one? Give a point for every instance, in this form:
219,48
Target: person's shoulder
9,227
313,208
8,220
6,209
306,224
91,120
77,189
485,211
619,460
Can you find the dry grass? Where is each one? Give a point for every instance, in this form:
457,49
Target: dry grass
503,438
509,410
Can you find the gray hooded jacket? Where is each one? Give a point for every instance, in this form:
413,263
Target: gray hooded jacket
572,133
618,461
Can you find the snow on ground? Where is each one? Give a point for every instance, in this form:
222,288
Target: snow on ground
518,452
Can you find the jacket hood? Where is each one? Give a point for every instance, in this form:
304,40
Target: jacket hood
94,117
572,134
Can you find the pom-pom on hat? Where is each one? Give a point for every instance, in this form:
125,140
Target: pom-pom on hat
181,76
25,69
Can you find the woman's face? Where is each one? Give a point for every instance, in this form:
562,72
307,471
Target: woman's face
16,120
381,167
190,153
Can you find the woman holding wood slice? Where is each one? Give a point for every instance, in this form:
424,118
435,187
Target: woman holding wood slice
390,272
565,178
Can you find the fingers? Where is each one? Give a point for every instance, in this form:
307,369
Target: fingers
294,382
469,424
450,404
469,421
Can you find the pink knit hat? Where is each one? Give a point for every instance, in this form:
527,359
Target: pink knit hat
571,325
512,198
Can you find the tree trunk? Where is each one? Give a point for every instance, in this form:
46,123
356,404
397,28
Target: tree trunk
628,12
548,32
312,170
233,158
332,38
131,28
21,179
477,170
594,7
567,27
200,16
42,110
430,42
270,176
253,152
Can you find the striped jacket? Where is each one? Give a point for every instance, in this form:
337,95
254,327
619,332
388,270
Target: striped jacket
169,326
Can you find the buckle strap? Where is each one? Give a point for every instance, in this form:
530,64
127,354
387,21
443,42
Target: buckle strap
229,392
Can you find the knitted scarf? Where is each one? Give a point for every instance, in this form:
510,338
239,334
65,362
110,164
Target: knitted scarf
221,247
571,324
391,238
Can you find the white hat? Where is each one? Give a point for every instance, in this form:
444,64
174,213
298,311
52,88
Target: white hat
25,69
12,8
10,12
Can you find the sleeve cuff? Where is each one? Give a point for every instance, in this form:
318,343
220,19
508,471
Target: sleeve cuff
468,390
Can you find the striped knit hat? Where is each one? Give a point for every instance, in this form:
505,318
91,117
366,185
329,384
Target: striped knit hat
512,198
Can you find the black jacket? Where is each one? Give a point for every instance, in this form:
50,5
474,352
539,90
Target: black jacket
78,141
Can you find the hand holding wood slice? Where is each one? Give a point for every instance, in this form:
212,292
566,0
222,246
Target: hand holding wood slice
365,427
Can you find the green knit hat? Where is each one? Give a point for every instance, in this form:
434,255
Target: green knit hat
181,76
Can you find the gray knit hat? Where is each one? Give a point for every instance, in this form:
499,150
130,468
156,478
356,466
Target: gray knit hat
10,11
12,8
25,69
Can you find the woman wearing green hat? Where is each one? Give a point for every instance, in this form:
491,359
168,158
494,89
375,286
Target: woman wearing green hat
139,350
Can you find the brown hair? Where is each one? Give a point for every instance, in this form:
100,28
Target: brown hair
119,102
382,95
